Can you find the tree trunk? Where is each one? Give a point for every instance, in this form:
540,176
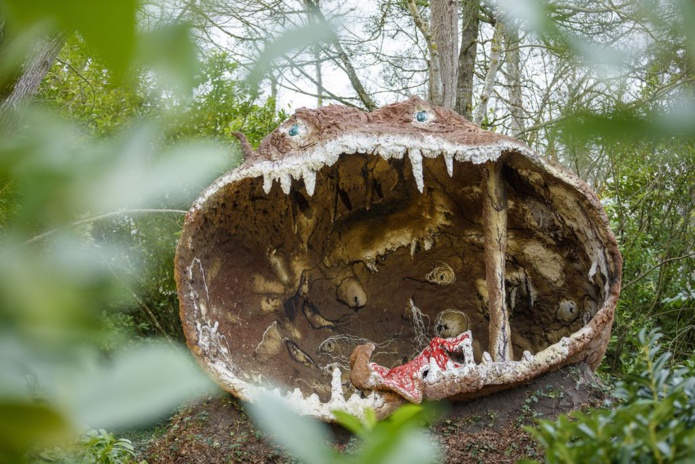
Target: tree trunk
435,89
513,63
495,49
466,61
316,50
444,21
27,83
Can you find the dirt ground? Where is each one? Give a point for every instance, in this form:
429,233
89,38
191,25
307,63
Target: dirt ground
490,429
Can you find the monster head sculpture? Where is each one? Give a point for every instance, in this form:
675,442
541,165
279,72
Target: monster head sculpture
367,259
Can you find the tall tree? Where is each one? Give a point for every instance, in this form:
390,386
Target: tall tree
435,89
445,15
21,90
467,57
491,75
513,68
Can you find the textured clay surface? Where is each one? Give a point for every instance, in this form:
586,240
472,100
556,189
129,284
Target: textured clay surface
349,230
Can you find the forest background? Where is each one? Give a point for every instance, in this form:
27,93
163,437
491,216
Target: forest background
114,116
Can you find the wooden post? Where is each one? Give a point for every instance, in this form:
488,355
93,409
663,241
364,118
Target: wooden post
495,234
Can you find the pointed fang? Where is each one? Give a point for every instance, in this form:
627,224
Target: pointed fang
310,181
449,160
267,182
285,182
416,161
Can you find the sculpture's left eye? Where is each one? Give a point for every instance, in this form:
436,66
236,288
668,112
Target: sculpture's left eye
294,130
421,116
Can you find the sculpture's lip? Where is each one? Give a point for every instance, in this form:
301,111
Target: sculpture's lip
303,165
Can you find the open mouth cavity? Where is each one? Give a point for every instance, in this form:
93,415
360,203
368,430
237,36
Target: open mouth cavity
363,260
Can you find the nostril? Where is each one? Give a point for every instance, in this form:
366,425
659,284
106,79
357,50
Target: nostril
351,293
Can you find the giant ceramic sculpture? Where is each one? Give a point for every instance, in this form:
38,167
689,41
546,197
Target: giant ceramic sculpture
368,259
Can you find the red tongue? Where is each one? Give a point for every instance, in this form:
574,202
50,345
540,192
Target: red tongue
406,379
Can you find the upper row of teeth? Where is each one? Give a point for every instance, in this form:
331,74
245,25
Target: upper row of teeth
285,176
387,147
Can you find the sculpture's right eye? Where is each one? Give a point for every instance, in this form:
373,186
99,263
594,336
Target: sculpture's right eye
294,130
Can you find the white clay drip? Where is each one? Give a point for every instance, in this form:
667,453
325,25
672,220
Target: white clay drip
415,157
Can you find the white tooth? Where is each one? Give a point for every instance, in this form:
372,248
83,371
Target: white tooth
413,248
416,161
468,350
528,356
267,182
449,160
310,181
285,182
487,359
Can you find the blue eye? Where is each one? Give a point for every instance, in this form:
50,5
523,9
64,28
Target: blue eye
294,130
421,116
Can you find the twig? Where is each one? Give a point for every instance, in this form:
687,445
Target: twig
656,266
99,218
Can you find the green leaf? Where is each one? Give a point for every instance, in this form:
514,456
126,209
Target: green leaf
138,385
411,446
370,419
303,437
25,424
171,53
406,414
109,27
350,422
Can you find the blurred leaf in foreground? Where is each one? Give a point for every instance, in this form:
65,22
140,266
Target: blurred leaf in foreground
399,439
109,27
56,281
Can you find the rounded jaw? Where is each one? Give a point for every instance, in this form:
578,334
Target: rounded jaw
369,235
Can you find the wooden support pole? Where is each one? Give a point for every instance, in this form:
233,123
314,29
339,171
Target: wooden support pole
495,235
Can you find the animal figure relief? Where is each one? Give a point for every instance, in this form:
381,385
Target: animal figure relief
409,379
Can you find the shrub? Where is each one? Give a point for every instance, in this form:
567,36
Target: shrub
653,419
97,447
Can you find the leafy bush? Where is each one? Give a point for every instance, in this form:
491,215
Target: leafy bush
653,421
97,447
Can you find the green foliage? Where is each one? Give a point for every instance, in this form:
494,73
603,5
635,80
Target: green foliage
108,27
222,105
77,239
400,439
654,420
650,200
628,129
97,447
80,88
